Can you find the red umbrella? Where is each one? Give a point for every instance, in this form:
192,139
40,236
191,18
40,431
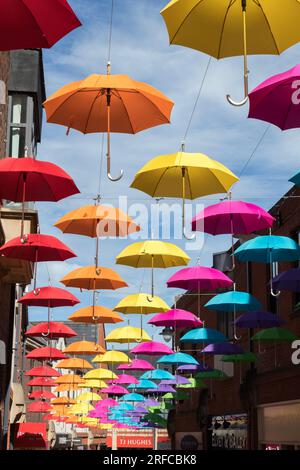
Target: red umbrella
34,24
53,330
38,407
49,297
41,382
42,371
46,353
42,394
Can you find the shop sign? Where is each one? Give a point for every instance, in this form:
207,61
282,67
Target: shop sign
132,441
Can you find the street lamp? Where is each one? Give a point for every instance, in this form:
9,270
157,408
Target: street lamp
167,334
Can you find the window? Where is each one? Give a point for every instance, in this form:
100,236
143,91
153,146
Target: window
225,323
21,131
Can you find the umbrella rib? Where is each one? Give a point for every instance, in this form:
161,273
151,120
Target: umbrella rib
231,2
36,22
182,23
126,110
269,26
90,111
144,94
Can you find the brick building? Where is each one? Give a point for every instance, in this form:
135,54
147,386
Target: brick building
258,405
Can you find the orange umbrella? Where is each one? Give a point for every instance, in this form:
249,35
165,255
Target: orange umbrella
66,387
88,348
63,401
96,314
97,221
73,363
92,277
108,103
69,379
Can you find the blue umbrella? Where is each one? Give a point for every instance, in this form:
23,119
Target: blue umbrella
190,368
234,301
143,384
204,335
157,374
268,249
223,348
132,397
122,407
258,320
178,358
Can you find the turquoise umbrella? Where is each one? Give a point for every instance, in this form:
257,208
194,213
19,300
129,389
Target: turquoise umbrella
204,335
268,249
143,384
132,397
157,374
178,358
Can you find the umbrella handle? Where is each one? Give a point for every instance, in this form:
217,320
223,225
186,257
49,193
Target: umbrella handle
246,71
151,298
184,231
108,160
36,292
236,337
273,293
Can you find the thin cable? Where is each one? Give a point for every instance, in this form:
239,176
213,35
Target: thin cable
254,150
110,31
197,99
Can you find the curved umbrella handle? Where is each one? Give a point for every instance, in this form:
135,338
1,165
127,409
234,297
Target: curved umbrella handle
237,103
186,236
117,178
45,335
273,293
236,337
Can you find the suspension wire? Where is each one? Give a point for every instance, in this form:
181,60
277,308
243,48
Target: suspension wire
254,150
196,101
110,31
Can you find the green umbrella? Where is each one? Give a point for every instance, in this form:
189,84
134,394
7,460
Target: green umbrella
194,383
245,357
211,374
168,396
274,334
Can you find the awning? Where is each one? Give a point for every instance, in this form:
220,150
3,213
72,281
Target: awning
31,436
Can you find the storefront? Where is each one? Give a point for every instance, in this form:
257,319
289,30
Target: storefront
229,432
279,426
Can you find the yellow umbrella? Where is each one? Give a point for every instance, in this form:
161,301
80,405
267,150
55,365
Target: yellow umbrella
226,28
87,348
152,254
88,396
73,363
183,175
127,334
96,314
100,374
93,383
72,379
112,357
89,421
140,304
81,409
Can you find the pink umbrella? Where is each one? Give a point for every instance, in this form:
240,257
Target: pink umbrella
136,364
106,402
125,379
114,390
199,278
276,100
151,348
176,318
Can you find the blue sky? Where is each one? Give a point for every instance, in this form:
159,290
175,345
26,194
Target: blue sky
140,49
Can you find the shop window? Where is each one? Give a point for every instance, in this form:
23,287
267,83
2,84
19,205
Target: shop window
21,129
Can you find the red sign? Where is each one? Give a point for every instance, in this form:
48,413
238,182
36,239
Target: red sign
31,436
132,441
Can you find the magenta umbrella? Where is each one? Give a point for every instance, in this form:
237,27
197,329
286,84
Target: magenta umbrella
114,390
136,364
199,278
152,348
276,100
125,379
176,318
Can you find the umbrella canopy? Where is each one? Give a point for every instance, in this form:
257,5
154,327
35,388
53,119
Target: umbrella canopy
223,348
66,388
114,390
162,388
269,249
125,379
288,280
157,374
87,348
101,374
46,353
52,330
232,217
132,397
42,394
143,384
38,407
204,335
72,379
211,374
193,383
296,179
74,363
127,334
178,358
41,382
176,380
136,364
95,314
108,103
140,303
42,371
63,401
81,408
191,368
233,301
93,383
112,357
258,320
151,348
30,25
274,334
88,396
272,101
49,297
245,357
97,221
36,248
176,318
199,278
92,277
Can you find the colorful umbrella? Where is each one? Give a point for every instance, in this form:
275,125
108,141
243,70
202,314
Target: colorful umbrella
87,348
178,358
157,374
193,383
81,408
245,357
108,103
38,407
151,348
152,254
42,395
227,29
74,363
132,397
93,383
42,371
46,354
92,277
95,314
143,385
295,179
125,379
114,390
41,382
111,357
101,374
176,318
63,401
199,278
176,380
274,334
162,388
66,388
273,100
183,175
233,301
127,334
72,379
222,348
136,364
269,249
52,330
191,368
49,297
288,280
258,320
204,335
140,303
88,396
30,25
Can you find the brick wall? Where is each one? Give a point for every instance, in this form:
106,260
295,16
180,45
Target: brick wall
4,70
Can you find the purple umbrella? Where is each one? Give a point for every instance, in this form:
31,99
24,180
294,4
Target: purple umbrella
193,368
288,280
162,388
150,402
223,348
258,320
176,318
199,278
178,380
